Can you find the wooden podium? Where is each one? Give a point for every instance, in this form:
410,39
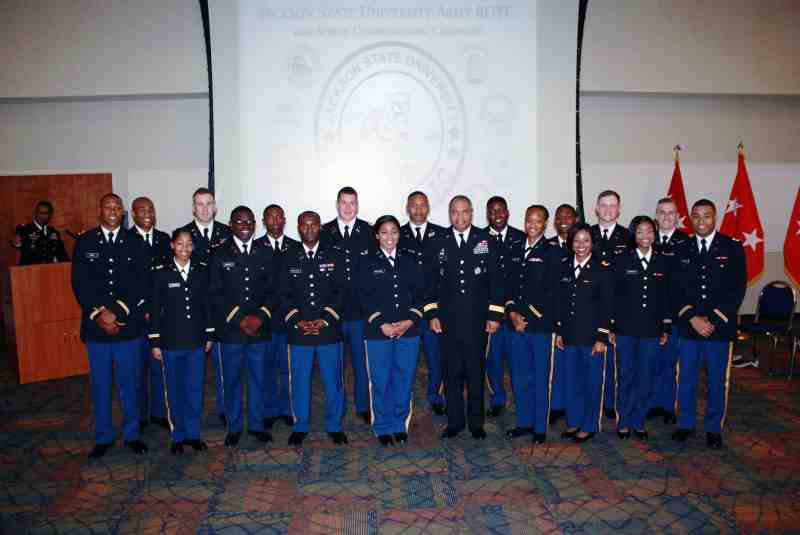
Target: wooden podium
43,321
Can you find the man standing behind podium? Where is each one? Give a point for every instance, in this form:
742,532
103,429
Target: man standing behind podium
38,242
207,236
107,278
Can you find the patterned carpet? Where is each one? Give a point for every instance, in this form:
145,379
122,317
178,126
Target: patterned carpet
427,486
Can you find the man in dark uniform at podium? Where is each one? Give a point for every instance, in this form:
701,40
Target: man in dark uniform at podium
38,242
207,235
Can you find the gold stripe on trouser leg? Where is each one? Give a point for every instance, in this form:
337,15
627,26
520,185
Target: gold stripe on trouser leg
289,363
727,385
166,395
602,392
550,382
222,384
486,358
677,384
410,409
616,385
369,387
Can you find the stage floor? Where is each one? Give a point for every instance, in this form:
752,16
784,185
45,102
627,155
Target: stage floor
427,486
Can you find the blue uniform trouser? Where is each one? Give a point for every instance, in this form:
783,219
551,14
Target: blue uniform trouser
353,332
235,358
636,359
216,363
558,396
499,352
530,364
717,358
276,377
103,357
185,373
301,364
391,366
665,388
431,345
610,380
151,384
585,390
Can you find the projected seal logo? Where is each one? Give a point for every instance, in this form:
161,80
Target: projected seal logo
391,112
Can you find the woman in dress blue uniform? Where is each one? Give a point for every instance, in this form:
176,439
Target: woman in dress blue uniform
584,303
180,333
641,324
391,289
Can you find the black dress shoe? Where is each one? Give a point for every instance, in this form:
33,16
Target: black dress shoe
366,417
338,437
478,433
450,433
261,436
555,416
624,435
223,420
386,440
611,414
136,446
287,420
714,440
655,412
581,440
438,409
519,432
232,439
680,435
495,411
669,418
163,423
269,421
196,444
176,448
641,435
99,450
569,434
539,438
401,438
297,438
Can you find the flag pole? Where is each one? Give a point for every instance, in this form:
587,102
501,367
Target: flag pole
676,151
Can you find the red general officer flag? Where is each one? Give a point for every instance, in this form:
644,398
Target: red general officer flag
791,246
677,194
741,221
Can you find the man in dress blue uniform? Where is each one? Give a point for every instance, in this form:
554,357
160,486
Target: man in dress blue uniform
312,288
242,296
157,252
207,235
39,242
710,282
354,238
276,374
416,235
507,239
665,390
464,302
108,281
565,218
609,239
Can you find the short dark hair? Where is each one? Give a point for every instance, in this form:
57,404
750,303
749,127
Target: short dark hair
496,198
665,200
568,207
458,198
415,193
108,195
638,220
608,193
384,219
242,208
46,204
201,191
705,202
573,231
271,207
305,213
347,190
178,231
541,207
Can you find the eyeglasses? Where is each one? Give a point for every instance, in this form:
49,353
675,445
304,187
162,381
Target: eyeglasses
244,221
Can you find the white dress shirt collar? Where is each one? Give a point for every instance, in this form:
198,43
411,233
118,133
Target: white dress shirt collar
465,233
115,233
314,249
575,262
709,239
240,244
202,227
422,228
610,229
662,233
185,268
349,225
502,233
647,256
273,241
